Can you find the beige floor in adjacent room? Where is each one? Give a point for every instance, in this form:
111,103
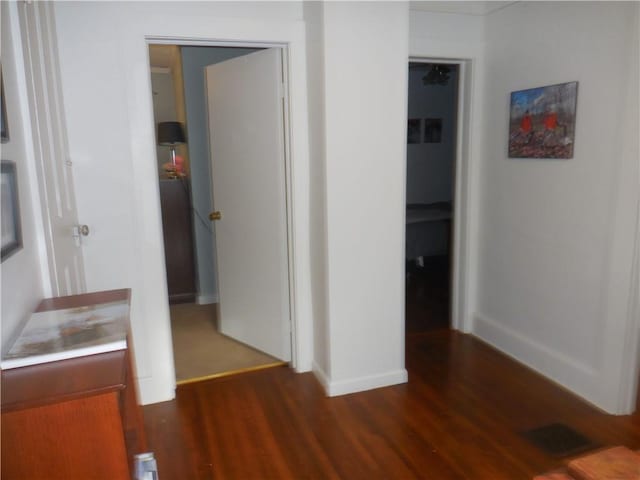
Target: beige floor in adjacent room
200,351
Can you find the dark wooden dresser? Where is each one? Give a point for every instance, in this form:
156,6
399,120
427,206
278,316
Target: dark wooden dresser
177,229
76,418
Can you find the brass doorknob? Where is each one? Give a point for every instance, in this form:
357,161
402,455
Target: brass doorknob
217,215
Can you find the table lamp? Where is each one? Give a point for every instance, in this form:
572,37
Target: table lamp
171,134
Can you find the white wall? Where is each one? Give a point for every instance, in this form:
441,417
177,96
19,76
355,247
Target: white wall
551,232
446,35
194,59
24,274
430,165
314,20
365,51
105,77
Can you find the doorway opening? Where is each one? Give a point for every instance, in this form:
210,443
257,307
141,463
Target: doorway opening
432,153
201,346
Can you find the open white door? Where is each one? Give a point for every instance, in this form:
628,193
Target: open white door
63,234
246,128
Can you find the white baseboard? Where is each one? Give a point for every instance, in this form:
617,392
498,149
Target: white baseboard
578,377
151,392
206,299
321,376
359,384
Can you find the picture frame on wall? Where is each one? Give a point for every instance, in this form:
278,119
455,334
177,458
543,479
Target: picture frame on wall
11,225
4,124
414,130
542,121
432,130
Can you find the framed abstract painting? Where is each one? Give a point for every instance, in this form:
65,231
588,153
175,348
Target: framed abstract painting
542,121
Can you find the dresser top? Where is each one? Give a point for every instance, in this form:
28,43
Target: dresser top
69,327
74,377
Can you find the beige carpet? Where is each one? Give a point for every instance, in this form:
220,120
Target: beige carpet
200,351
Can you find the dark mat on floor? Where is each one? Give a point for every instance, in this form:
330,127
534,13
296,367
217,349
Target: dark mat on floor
559,440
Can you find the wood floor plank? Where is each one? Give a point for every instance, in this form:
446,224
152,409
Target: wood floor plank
182,451
460,416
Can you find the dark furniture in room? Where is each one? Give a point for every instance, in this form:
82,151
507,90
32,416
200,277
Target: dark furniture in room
73,418
175,201
428,230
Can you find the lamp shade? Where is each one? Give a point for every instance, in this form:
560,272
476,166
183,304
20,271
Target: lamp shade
170,133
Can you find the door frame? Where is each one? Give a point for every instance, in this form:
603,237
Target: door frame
288,176
49,148
459,317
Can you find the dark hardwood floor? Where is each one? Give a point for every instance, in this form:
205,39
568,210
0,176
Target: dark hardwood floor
460,416
427,295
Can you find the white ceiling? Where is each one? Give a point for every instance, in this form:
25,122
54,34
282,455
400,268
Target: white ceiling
462,7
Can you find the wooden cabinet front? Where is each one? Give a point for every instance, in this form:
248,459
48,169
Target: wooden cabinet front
79,438
175,202
73,418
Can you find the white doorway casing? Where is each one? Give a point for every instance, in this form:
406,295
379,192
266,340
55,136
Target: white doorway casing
301,352
119,68
461,195
467,52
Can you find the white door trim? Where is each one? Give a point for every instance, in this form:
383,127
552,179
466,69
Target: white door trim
630,381
56,191
460,318
296,346
128,107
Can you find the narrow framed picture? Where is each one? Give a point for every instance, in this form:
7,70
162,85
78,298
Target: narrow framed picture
4,126
11,227
542,121
414,130
432,130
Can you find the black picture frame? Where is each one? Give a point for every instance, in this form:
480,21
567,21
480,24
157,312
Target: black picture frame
414,130
4,124
11,225
432,130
